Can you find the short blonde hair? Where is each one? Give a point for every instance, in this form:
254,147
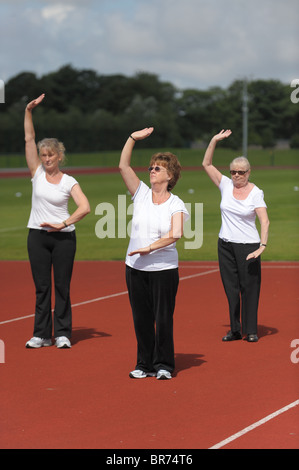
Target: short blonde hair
170,162
54,145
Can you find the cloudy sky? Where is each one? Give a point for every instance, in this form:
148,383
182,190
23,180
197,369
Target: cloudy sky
191,43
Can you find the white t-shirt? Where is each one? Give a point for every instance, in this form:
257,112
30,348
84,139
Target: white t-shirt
149,223
238,217
50,201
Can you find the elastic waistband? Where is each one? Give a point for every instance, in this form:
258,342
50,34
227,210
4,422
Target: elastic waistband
42,232
224,240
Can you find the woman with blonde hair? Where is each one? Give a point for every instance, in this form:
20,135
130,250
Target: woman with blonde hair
52,237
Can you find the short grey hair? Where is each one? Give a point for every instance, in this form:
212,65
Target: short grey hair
243,161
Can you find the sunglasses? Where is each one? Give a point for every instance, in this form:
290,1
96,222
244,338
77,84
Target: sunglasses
239,172
156,168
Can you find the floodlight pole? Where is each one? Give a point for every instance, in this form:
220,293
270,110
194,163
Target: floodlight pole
245,118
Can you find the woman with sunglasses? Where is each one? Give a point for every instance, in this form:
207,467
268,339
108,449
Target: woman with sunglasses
239,243
152,259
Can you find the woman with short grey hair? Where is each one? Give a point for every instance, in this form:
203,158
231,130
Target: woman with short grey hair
239,245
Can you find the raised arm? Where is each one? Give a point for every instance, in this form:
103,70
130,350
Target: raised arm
128,174
207,162
31,153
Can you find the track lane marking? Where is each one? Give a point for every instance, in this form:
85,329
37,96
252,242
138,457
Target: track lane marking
254,425
98,299
86,302
234,436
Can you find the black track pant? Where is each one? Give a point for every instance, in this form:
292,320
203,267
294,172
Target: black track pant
152,297
47,249
241,280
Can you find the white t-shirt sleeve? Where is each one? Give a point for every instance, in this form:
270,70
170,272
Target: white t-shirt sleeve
258,199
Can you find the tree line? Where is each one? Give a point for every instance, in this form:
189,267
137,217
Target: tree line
92,112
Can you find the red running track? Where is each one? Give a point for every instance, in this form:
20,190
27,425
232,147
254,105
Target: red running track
83,397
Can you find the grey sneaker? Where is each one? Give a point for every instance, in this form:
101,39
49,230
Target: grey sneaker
140,374
36,342
62,342
163,375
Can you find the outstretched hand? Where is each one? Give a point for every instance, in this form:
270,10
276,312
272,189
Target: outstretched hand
35,102
222,135
143,134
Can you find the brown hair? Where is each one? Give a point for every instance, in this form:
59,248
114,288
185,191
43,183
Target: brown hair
170,162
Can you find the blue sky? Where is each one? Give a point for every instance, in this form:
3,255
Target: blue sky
191,43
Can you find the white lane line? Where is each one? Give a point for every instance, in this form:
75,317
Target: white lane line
254,426
267,266
98,299
234,436
12,229
199,274
74,305
125,292
16,319
85,302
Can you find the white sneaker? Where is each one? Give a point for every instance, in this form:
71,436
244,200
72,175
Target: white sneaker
140,374
163,375
36,342
62,342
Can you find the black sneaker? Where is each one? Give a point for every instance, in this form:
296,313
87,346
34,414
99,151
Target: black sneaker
252,338
230,336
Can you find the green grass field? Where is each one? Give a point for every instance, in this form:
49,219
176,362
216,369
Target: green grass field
280,186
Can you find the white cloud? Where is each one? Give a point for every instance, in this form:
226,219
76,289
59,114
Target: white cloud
57,12
195,43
